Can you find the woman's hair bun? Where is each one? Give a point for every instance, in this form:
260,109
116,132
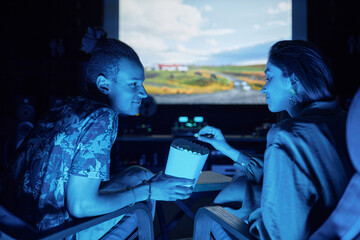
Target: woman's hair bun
91,37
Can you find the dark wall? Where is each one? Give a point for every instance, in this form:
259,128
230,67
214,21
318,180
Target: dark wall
40,43
334,26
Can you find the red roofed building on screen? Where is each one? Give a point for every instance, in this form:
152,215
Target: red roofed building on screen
169,67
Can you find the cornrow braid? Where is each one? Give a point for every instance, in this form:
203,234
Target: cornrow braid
105,54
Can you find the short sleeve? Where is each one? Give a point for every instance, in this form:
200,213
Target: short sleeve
92,156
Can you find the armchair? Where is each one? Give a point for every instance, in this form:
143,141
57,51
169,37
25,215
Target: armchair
11,227
344,222
233,225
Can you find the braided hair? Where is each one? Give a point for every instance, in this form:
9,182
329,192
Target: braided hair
105,54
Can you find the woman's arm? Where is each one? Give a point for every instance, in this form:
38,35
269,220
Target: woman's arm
252,166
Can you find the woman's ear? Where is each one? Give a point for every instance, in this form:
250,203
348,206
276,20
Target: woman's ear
103,84
294,81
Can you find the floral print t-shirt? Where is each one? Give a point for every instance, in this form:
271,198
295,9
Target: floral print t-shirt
75,138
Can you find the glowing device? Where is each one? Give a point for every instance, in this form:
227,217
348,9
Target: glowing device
199,119
183,119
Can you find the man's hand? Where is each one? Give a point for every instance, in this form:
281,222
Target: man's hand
168,188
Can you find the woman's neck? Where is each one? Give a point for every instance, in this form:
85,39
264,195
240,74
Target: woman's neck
295,110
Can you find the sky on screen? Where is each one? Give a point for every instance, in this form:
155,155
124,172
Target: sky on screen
204,32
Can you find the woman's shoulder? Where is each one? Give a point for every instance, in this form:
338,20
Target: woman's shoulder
292,129
284,127
308,128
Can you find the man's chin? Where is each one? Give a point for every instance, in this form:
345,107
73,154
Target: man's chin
131,113
134,111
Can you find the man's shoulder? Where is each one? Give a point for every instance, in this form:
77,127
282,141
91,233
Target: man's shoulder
81,107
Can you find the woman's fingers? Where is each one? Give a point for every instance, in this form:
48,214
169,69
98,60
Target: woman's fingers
205,139
208,130
208,133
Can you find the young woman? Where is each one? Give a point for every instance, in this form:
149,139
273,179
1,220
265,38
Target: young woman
306,166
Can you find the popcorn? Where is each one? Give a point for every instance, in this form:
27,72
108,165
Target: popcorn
189,146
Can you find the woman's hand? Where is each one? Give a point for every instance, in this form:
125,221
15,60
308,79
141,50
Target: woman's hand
214,137
169,188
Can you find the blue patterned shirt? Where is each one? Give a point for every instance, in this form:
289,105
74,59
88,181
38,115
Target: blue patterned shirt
75,138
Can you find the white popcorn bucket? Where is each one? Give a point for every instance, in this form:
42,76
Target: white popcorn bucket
186,159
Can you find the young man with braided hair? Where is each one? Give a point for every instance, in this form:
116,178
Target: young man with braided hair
62,167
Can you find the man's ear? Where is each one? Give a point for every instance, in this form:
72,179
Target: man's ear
103,84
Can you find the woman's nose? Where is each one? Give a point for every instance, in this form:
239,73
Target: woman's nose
263,90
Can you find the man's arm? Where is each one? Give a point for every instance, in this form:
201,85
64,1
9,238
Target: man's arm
84,198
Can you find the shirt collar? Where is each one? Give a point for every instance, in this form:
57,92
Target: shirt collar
320,108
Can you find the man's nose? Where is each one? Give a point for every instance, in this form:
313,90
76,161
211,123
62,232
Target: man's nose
143,92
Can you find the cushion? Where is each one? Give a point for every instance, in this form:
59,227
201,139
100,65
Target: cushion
353,131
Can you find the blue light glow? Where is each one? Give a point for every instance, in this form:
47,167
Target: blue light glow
183,119
198,119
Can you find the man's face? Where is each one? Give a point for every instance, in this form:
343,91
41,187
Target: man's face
126,89
277,89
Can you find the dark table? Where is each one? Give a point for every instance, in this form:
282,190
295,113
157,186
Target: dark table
207,183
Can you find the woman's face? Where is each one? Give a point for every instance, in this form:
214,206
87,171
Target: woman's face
126,89
277,89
